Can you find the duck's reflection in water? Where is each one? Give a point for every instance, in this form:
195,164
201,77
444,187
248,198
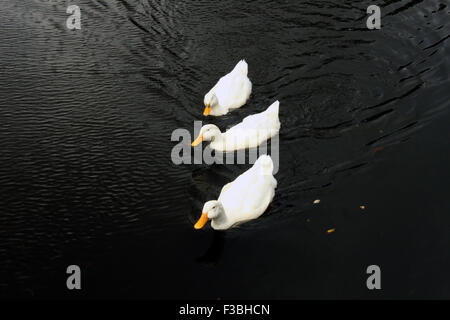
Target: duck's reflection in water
215,250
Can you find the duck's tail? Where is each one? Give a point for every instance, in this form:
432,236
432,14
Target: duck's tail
241,68
265,164
273,108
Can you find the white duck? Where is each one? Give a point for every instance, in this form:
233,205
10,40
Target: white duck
230,92
250,133
244,199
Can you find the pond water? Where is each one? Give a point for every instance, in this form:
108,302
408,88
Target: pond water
86,118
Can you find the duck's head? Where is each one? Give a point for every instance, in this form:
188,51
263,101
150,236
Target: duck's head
211,102
211,210
207,133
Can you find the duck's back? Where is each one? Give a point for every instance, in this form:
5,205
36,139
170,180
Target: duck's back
233,89
248,196
254,129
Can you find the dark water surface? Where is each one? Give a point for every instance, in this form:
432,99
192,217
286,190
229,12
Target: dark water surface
86,176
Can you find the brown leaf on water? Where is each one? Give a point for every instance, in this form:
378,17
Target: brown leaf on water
378,149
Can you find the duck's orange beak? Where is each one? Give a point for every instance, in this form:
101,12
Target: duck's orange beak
202,221
197,141
207,111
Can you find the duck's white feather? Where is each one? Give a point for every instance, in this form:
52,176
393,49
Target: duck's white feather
249,195
232,90
251,132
